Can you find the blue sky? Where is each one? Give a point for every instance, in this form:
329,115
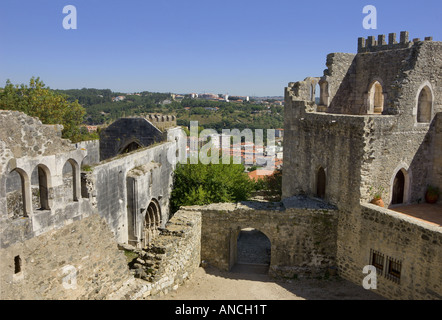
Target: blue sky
240,47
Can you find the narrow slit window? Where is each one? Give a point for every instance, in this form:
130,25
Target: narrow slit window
17,264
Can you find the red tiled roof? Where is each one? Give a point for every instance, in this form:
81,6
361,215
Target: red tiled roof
260,174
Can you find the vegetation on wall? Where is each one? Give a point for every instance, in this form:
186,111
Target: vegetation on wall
37,100
200,184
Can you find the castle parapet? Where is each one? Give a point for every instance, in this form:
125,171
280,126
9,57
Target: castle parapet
162,122
371,44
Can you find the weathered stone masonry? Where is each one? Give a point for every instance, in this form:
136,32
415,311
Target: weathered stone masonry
171,258
60,225
303,239
378,117
78,261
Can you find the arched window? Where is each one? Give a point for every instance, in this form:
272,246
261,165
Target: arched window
41,181
312,92
375,99
317,94
71,179
398,188
424,105
320,183
323,96
130,147
152,221
18,194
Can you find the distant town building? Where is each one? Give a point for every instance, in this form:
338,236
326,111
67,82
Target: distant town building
119,98
209,96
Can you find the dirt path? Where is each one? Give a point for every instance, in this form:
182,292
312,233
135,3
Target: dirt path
212,284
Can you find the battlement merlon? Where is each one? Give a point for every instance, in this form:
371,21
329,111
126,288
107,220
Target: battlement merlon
372,45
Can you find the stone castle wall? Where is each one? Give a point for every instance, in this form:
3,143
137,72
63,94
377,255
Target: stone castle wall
170,260
92,149
436,172
125,131
359,151
333,142
402,69
303,240
108,186
387,152
78,261
414,244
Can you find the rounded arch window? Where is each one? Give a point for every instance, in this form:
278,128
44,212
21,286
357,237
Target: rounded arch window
375,98
424,105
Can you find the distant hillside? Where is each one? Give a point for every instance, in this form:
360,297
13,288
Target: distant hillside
104,106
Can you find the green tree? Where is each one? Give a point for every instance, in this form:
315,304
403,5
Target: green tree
199,184
37,100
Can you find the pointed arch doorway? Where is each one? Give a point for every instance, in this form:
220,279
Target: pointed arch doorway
398,188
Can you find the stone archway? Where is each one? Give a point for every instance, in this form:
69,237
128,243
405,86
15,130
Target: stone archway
398,195
18,193
324,93
130,147
251,252
152,221
71,179
41,182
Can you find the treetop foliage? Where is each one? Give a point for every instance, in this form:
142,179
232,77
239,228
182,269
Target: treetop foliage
37,100
200,184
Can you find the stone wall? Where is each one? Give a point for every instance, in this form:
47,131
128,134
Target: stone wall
162,122
302,237
436,171
390,148
167,262
39,179
78,261
402,69
27,136
92,149
108,188
319,140
358,153
126,131
335,81
414,244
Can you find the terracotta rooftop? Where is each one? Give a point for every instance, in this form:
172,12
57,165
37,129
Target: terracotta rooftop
431,213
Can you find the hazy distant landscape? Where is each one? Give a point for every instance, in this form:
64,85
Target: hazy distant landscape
103,107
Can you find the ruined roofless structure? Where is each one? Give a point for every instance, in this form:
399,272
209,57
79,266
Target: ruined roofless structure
378,121
65,211
376,127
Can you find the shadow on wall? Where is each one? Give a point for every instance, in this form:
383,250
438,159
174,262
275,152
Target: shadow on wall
410,184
